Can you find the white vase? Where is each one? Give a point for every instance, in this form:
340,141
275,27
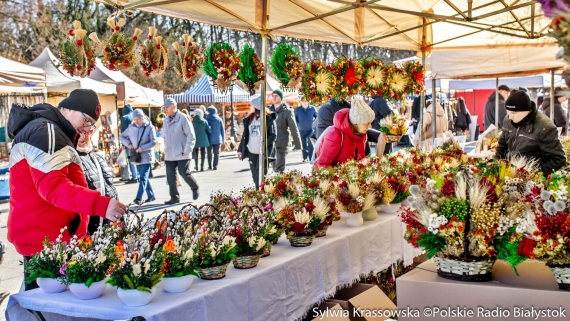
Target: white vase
354,219
370,214
50,285
82,292
390,208
135,298
176,284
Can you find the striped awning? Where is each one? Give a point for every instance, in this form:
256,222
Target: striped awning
203,92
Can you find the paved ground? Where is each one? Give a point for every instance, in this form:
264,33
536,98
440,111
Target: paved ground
232,174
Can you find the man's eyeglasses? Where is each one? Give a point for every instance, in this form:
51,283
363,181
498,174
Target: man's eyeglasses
87,122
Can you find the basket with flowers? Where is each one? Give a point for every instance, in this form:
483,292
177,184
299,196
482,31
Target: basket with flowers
153,54
77,54
44,267
119,49
354,196
318,82
252,72
416,81
287,66
250,236
397,82
300,218
348,76
222,64
394,126
189,57
373,81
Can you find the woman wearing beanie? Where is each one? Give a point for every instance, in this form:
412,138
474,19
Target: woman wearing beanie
560,118
347,138
526,132
140,137
440,124
202,130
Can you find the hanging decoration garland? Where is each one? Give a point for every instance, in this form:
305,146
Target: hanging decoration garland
77,55
397,83
287,65
153,54
373,81
318,82
189,58
252,72
222,64
118,53
416,80
348,75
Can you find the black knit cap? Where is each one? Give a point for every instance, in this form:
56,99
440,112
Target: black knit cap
83,100
518,101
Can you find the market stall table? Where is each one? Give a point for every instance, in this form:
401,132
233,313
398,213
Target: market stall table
282,287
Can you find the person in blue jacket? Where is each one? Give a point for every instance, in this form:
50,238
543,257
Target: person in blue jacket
126,121
305,115
217,136
141,136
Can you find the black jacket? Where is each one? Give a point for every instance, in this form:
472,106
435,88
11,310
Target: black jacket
463,116
535,137
381,109
560,118
325,118
490,111
271,135
94,182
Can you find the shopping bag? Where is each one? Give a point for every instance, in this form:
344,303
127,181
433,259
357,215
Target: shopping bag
122,159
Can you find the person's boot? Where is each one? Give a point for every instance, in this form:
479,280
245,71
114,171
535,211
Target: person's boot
195,194
172,202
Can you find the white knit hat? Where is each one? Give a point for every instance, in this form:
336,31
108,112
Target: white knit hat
360,112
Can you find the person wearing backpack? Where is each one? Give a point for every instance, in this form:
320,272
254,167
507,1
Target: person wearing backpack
347,138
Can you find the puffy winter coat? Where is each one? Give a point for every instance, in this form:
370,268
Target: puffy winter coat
271,135
218,134
48,190
285,126
147,137
535,137
560,119
127,117
440,122
202,130
340,143
490,111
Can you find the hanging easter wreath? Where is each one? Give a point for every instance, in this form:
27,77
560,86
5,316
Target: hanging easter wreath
373,81
189,57
416,81
397,82
287,66
153,54
348,75
252,72
119,49
318,82
222,64
77,54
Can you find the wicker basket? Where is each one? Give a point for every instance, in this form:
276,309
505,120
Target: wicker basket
301,241
394,138
562,274
213,272
472,269
246,261
267,251
322,232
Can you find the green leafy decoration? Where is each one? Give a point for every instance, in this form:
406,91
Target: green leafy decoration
507,249
209,67
432,243
280,55
249,72
129,281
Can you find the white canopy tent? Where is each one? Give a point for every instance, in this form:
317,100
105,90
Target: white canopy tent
539,81
134,94
15,74
59,81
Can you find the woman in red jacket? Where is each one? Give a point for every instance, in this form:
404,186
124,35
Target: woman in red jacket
346,139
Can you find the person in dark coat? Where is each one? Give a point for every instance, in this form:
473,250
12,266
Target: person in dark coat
560,118
528,133
96,169
325,118
463,116
216,137
285,127
504,92
250,144
381,110
126,120
305,115
202,131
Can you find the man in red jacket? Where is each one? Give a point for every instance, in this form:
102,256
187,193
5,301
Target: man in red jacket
48,190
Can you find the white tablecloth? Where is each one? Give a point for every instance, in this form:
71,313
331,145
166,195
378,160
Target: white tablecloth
282,287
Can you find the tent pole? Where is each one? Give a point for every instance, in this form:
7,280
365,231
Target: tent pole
264,147
232,118
434,110
420,129
496,103
551,116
